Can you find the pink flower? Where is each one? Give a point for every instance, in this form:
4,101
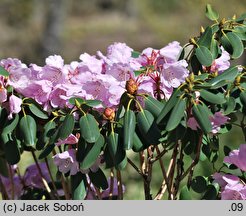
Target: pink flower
217,120
222,63
66,161
225,179
237,157
234,192
94,65
3,94
71,139
119,53
14,105
174,73
231,187
171,52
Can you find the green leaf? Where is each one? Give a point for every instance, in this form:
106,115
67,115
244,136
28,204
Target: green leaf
112,140
48,149
38,112
199,184
129,129
148,127
28,129
92,153
213,98
168,106
66,127
10,125
243,98
78,186
93,103
89,128
214,48
185,193
228,75
204,56
212,192
12,152
195,64
3,72
229,106
135,54
211,13
137,144
176,115
206,38
240,31
232,44
99,179
47,133
201,115
153,105
117,155
79,100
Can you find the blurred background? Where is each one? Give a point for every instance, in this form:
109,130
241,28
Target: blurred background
33,29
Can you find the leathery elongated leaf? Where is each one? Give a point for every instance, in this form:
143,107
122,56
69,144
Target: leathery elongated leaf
218,98
99,179
206,38
115,152
3,72
10,125
12,152
211,13
129,128
228,75
153,105
38,112
147,127
28,129
137,144
232,44
93,153
66,127
78,186
204,56
201,115
176,115
89,128
168,106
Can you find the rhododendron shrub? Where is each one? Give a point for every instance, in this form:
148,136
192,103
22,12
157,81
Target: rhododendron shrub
86,121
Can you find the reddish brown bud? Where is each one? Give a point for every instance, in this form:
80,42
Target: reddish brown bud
109,114
131,86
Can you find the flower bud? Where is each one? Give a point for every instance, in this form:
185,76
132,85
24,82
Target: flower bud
109,114
131,86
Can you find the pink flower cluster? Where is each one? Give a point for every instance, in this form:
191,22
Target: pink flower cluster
101,77
232,187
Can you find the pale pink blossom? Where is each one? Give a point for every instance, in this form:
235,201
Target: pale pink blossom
217,120
71,139
222,63
3,94
14,105
94,65
171,52
231,187
174,74
237,157
66,161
